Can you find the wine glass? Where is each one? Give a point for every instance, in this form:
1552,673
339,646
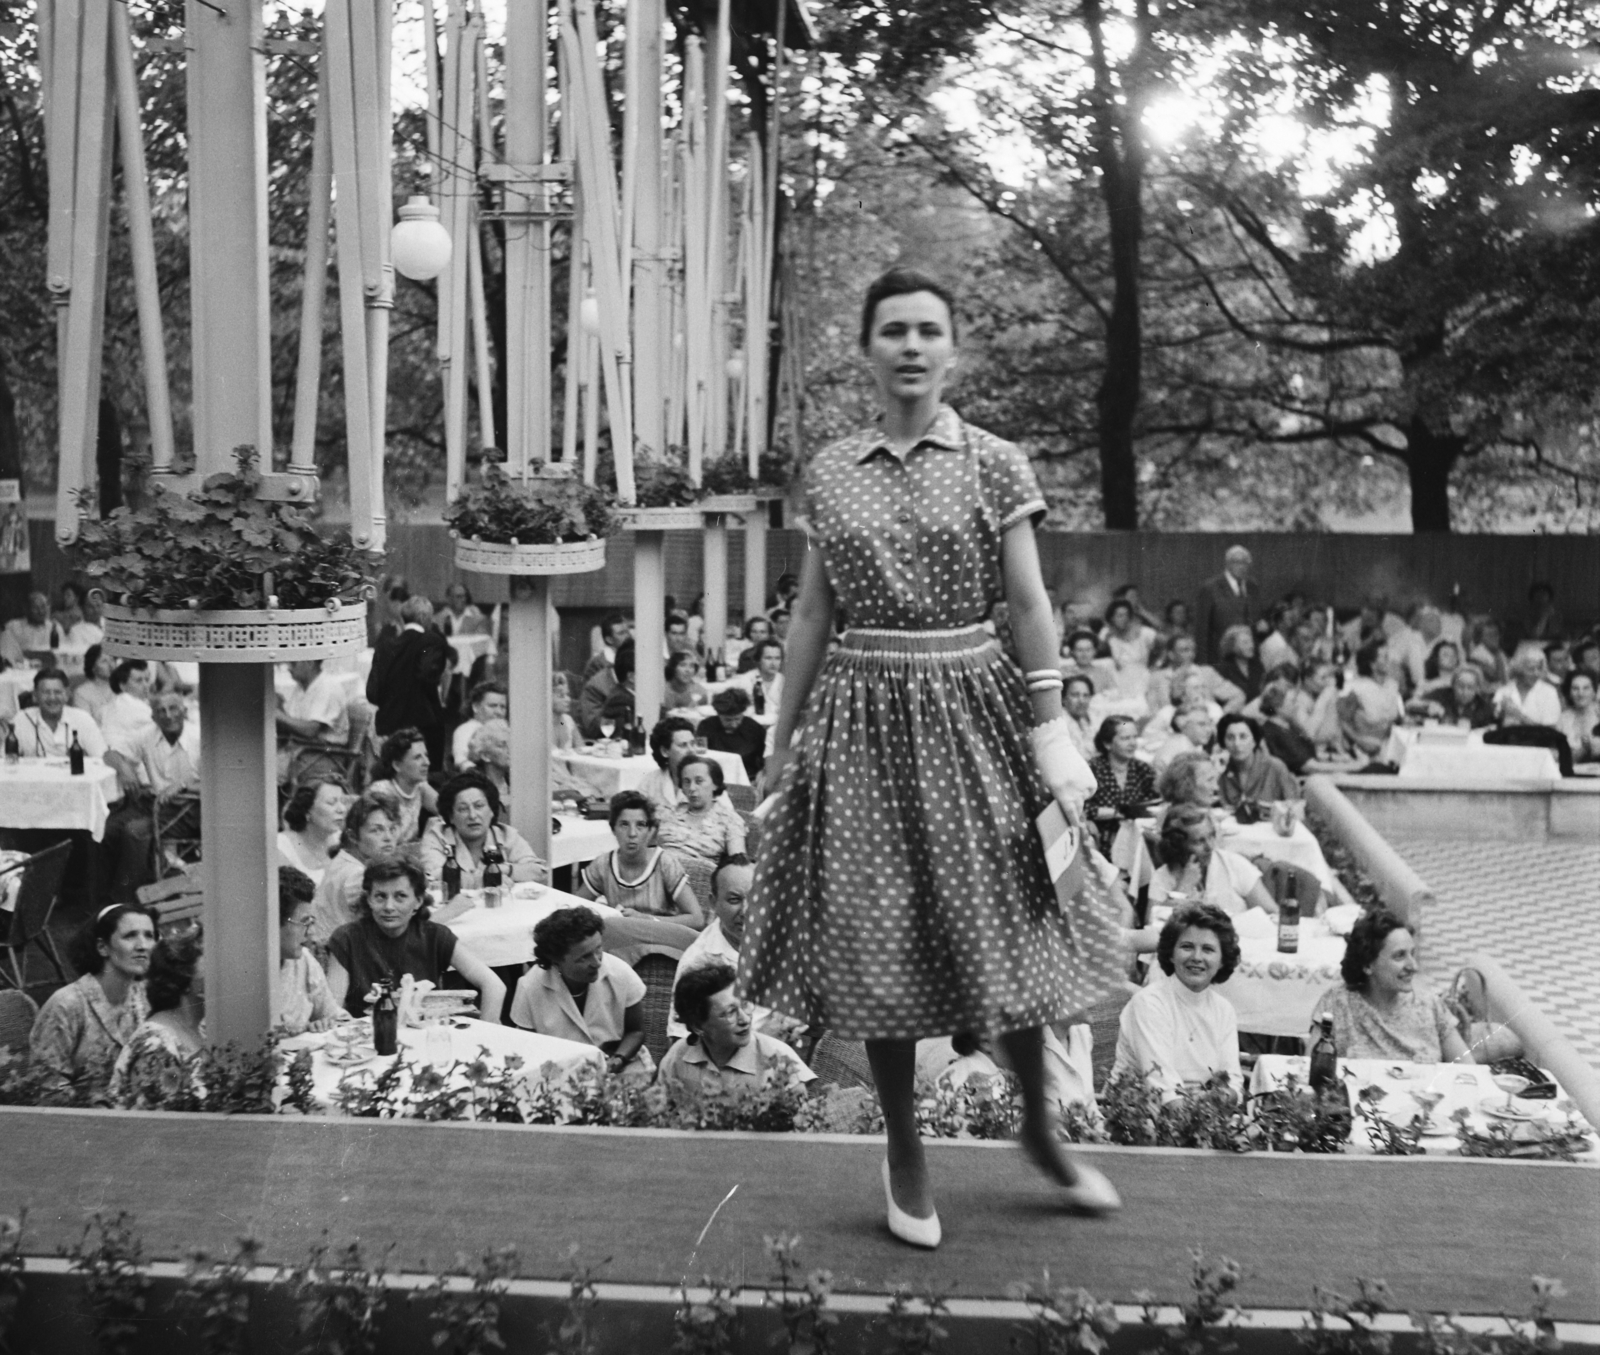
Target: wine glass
608,727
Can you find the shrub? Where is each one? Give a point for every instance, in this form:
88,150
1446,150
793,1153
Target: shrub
538,511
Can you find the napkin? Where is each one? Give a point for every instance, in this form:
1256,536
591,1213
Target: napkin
1341,919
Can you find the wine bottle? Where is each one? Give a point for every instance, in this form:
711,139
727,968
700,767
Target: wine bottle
1289,920
492,879
75,756
385,1019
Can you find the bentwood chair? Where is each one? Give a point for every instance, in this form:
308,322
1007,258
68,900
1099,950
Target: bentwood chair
17,1011
37,893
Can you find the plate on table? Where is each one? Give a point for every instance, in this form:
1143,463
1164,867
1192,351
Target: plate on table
349,1055
1501,1108
529,889
449,1002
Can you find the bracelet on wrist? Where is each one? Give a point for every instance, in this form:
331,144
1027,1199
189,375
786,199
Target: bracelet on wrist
1045,685
1043,673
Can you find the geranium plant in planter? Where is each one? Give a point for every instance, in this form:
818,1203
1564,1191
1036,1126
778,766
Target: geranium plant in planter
667,499
545,524
220,575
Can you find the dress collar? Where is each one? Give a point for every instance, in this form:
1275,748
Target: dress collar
945,433
746,1059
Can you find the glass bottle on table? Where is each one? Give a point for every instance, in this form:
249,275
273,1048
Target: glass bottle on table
1289,920
385,1019
492,879
13,747
450,878
75,756
1324,1071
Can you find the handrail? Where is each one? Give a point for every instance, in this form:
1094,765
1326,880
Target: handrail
1403,891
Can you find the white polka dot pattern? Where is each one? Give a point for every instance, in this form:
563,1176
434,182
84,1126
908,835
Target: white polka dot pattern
901,890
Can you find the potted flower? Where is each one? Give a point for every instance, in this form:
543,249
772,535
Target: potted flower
222,576
546,524
667,500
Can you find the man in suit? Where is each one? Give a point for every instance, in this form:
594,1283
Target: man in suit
404,683
1233,598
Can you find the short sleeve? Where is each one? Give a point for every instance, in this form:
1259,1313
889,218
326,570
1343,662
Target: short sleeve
1013,487
672,874
340,944
594,874
630,987
1241,874
442,945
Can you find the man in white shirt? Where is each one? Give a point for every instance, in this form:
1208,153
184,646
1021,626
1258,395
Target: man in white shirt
1277,646
764,682
489,702
31,637
1193,731
163,764
47,728
1528,699
314,711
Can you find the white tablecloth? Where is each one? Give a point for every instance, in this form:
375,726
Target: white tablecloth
467,1039
43,793
1436,755
1276,994
1465,1086
608,775
469,648
13,682
1262,839
580,840
504,935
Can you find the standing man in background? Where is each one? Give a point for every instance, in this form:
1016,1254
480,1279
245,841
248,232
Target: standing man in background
1232,598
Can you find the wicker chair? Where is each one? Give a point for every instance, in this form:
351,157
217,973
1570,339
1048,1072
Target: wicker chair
17,1011
742,798
843,1063
658,971
1308,889
37,894
699,871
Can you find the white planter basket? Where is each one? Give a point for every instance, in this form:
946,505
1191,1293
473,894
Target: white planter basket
690,519
266,636
497,557
730,505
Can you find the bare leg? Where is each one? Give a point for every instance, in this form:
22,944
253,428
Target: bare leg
1025,1052
894,1071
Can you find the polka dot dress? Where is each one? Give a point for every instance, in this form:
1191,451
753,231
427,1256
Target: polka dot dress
901,890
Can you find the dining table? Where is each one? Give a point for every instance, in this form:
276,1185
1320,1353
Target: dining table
580,840
1439,752
1130,850
43,793
608,774
504,936
1461,1086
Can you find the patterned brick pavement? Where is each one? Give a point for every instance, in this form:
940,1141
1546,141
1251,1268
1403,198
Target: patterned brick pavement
1535,907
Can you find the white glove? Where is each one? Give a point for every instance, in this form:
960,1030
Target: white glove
1061,765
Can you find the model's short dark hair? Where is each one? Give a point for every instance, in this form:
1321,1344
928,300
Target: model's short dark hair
731,701
120,674
395,866
294,888
173,964
367,804
1228,721
902,282
661,736
1366,943
631,799
1108,731
1212,919
464,781
84,952
297,813
691,999
558,932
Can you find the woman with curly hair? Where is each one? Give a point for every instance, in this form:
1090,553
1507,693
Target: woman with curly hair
576,991
403,766
1179,1031
160,1057
1194,867
468,828
312,823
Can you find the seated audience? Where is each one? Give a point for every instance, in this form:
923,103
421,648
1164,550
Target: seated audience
731,730
49,726
32,637
395,937
82,1028
575,991
676,636
1528,698
599,677
1284,740
1181,660
1251,773
764,680
671,741
1080,656
161,1053
403,766
1193,731
619,706
1586,657
1487,653
1237,662
741,652
94,693
1370,707
1439,669
683,690
1379,1012
1120,777
312,822
371,830
723,1056
643,882
488,702
460,615
1313,707
1197,868
1278,645
1463,702
1192,779
489,754
162,770
304,1002
468,829
1077,704
1178,1031
1580,716
564,732
705,824
1130,644
315,713
126,718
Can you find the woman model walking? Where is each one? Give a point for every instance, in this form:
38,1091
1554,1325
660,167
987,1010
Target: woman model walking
901,890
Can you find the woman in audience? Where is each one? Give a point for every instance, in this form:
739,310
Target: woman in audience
731,730
488,753
563,728
1464,703
81,1030
1379,1012
723,1055
1237,662
304,1002
161,1053
1528,698
1580,716
1439,668
1283,739
94,692
756,629
395,937
684,690
468,828
371,830
705,824
403,776
1080,653
1195,867
1192,779
1252,773
671,741
1120,778
645,884
1178,1031
1371,707
575,991
1487,652
312,822
1130,643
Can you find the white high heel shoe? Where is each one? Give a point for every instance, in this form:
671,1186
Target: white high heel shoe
918,1232
1092,1193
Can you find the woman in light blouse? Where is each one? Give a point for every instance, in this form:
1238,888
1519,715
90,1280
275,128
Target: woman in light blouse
705,824
468,827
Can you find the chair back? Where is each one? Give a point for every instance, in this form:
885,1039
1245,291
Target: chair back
699,871
17,1011
841,1062
742,798
176,824
657,971
42,875
1308,889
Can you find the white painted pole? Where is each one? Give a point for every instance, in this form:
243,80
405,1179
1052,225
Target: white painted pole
649,624
529,617
480,334
755,562
314,284
716,584
649,269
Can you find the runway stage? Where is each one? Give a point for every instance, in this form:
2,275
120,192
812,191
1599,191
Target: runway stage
1448,1235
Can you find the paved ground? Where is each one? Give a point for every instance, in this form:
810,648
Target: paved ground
1533,906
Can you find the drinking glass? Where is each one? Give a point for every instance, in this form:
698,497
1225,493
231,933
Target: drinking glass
436,1045
608,726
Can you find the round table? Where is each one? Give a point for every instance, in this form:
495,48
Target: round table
43,793
504,936
608,775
